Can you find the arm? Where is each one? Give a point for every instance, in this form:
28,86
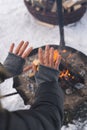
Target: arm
49,97
14,63
47,111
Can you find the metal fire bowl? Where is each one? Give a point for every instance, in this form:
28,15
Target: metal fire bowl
71,102
80,56
51,18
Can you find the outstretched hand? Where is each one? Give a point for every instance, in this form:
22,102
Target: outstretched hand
22,51
46,58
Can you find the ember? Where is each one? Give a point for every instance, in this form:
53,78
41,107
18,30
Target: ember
65,74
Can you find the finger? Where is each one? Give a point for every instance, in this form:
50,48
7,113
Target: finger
23,48
27,68
11,48
40,55
51,63
27,52
57,63
18,47
46,57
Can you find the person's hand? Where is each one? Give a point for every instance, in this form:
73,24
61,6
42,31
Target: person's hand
22,51
46,58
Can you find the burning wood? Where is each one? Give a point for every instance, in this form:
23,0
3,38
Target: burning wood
65,74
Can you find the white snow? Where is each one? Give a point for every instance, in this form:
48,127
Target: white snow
17,24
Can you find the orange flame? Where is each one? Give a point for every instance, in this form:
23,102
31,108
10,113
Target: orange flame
66,74
56,53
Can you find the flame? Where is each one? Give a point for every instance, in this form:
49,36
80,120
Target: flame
66,74
55,56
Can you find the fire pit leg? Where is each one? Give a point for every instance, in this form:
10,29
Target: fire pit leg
60,22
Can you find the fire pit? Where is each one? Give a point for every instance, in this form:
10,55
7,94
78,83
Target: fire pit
72,79
46,10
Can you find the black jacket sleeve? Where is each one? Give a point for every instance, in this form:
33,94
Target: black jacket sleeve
45,114
13,65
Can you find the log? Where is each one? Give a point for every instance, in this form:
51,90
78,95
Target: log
70,3
45,24
54,8
73,71
76,7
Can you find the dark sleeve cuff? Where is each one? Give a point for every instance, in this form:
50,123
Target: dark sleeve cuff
46,74
14,64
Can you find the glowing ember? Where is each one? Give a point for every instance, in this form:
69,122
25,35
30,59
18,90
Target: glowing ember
56,53
66,74
64,51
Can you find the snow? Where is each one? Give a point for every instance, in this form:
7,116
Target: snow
17,24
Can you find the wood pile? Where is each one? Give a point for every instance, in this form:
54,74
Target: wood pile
75,4
46,10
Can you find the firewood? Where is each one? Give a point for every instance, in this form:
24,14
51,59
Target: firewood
32,74
74,72
54,8
70,3
37,9
69,10
76,7
45,24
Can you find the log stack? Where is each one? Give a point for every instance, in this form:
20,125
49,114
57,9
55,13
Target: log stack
46,10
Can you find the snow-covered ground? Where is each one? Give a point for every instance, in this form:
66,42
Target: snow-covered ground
17,24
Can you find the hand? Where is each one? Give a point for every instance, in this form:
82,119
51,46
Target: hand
46,58
22,52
